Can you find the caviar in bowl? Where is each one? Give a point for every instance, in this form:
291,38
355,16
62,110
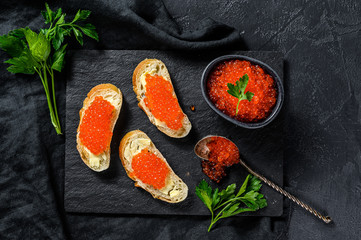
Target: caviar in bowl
263,83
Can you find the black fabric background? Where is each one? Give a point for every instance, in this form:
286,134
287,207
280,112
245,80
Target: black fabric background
321,42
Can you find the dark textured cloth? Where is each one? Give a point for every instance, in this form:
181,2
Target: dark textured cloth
321,42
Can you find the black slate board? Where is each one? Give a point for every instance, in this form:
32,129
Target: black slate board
112,191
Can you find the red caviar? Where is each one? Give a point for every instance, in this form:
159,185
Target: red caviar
260,83
150,169
222,154
162,103
95,129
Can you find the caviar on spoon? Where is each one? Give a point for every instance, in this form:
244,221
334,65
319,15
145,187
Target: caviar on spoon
203,151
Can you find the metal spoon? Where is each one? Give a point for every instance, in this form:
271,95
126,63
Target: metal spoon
203,151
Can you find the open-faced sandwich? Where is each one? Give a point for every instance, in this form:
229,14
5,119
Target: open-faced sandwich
97,120
156,96
149,169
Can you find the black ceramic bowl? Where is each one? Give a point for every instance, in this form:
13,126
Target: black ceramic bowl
266,68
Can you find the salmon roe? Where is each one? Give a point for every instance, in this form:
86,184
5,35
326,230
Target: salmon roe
260,83
222,154
150,169
95,129
161,102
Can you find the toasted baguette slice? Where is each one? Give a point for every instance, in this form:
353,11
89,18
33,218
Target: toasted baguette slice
113,95
156,67
132,143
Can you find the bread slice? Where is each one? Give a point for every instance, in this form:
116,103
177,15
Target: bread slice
113,95
132,143
156,67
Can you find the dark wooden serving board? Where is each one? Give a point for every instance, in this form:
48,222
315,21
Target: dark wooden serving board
112,191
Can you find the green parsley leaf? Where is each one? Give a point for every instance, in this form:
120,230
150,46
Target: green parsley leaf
81,15
244,186
31,36
49,13
25,63
57,14
241,210
45,16
242,83
77,15
228,192
261,201
229,211
84,14
61,20
19,33
58,59
78,35
250,196
251,203
38,44
249,96
225,203
238,90
254,184
215,198
204,192
58,38
89,30
13,45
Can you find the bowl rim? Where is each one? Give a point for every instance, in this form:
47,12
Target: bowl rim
268,70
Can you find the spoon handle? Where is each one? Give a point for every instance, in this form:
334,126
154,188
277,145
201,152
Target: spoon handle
326,219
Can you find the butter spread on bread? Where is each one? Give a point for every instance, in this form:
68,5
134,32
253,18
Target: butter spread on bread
155,70
109,97
133,143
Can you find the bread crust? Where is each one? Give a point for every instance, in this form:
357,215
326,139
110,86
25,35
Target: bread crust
171,179
161,69
99,90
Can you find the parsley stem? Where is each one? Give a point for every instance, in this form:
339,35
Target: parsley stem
44,80
230,200
52,116
218,215
214,220
239,100
51,72
210,226
52,29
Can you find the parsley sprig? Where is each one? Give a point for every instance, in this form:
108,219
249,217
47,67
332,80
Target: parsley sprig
44,52
238,90
227,203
